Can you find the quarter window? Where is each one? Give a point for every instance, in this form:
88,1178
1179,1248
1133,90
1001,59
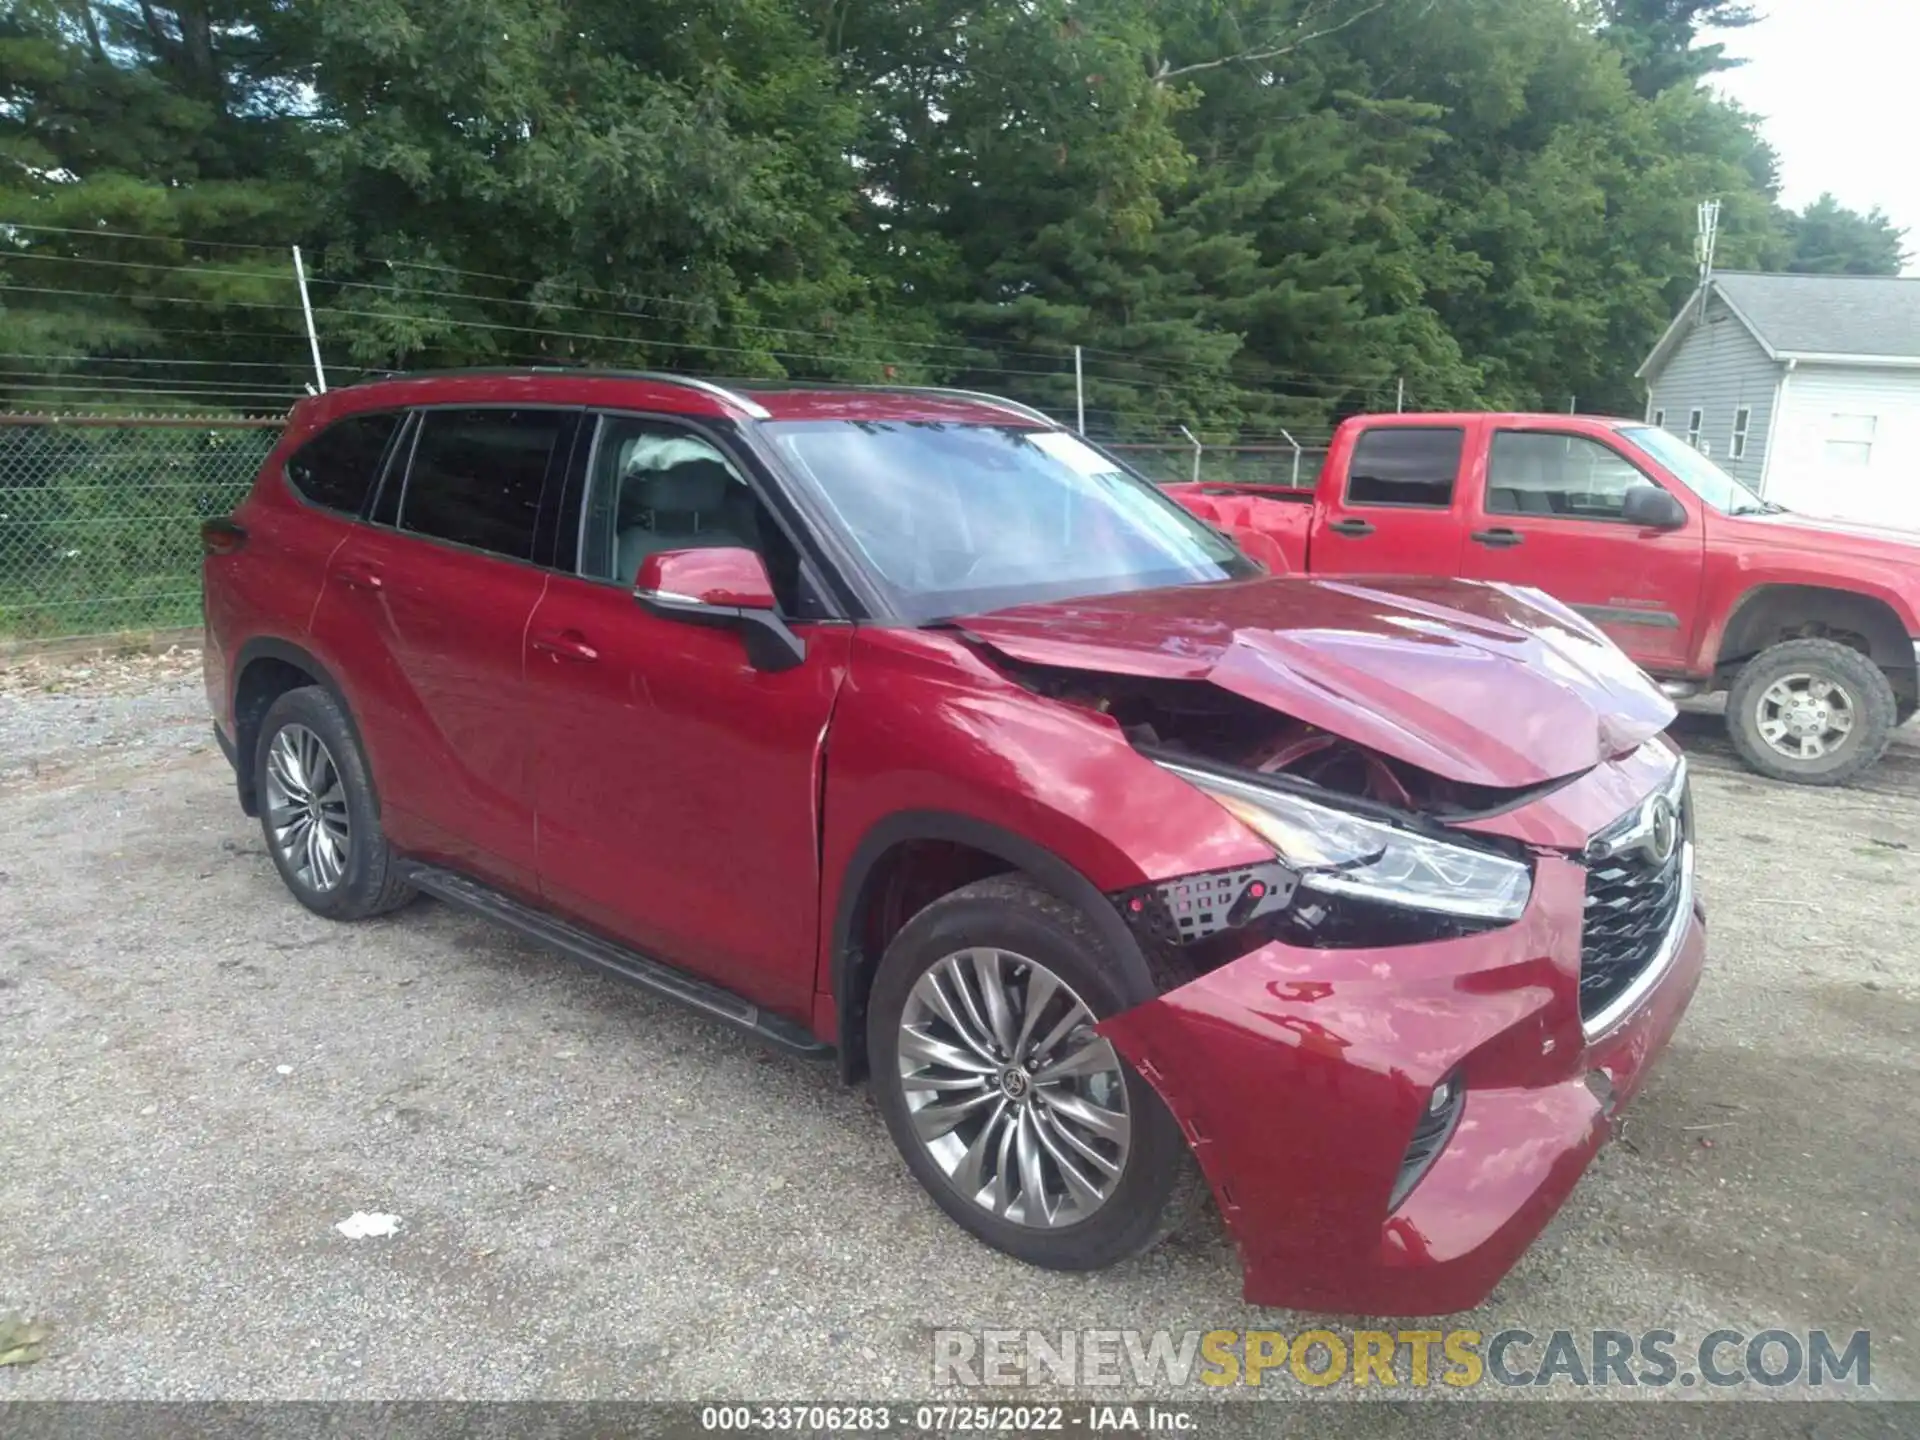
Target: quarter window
1568,477
1850,439
337,468
1742,422
1404,465
478,475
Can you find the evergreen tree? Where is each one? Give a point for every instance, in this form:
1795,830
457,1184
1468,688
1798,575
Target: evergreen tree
1829,239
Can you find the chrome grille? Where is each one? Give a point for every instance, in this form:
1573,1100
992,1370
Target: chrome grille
1638,880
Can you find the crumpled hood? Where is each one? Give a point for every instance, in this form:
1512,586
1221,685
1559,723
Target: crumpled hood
1482,684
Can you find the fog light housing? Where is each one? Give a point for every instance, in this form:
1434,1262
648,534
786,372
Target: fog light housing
1430,1135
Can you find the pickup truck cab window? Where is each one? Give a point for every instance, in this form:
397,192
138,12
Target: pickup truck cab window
1699,474
1558,476
1402,465
955,518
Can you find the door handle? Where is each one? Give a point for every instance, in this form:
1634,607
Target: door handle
1498,539
358,577
1354,528
564,645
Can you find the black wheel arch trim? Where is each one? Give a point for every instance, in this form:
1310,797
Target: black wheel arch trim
848,963
267,647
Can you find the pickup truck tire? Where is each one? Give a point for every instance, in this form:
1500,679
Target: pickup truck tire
317,810
1814,712
1018,1128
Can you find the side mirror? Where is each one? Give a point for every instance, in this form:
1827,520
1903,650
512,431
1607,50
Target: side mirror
726,588
1652,507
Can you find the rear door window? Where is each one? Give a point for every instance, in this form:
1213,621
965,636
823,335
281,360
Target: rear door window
1405,465
336,470
478,477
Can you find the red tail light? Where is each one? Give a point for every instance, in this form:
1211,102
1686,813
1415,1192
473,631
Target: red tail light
221,537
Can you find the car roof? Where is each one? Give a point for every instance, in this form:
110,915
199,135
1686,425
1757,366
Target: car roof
671,394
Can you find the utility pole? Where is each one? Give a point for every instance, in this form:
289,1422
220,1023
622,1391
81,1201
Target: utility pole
306,306
1400,397
1704,245
1079,394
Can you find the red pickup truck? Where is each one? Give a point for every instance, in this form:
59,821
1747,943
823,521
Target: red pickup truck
1811,625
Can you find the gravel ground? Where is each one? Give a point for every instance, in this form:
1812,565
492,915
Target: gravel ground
602,1195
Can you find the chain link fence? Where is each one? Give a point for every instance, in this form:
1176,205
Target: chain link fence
100,518
1169,463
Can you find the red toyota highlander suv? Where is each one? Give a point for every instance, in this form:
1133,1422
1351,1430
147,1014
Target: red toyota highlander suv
908,725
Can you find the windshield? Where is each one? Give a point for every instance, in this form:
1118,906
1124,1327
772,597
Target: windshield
956,519
1698,473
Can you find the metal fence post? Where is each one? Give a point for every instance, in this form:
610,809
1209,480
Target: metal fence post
1296,458
1196,452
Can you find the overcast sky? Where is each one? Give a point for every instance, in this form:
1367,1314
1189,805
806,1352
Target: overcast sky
1837,83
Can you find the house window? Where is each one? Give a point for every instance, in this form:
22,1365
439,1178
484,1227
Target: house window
1742,422
1695,420
1659,419
1850,439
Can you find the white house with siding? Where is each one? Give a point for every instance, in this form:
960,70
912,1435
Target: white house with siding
1806,387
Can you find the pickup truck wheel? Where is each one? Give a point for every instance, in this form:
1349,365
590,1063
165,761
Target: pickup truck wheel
317,810
1814,712
1022,1124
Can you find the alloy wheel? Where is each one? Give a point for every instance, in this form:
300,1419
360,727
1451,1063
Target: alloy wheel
1020,1105
307,808
1805,717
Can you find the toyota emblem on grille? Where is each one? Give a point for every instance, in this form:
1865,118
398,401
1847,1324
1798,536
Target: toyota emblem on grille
1661,826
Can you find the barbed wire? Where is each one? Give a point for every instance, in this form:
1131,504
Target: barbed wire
966,346
245,383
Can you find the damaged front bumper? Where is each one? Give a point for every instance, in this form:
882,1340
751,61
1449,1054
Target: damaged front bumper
1301,1078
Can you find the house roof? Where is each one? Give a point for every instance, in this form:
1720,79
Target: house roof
1863,319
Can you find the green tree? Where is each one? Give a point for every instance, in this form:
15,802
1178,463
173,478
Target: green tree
154,121
1829,239
666,183
1017,163
1660,39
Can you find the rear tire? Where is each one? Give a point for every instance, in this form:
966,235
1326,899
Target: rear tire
317,810
1020,1125
1813,712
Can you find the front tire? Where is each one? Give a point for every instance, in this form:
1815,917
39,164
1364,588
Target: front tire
1813,712
1024,1126
317,810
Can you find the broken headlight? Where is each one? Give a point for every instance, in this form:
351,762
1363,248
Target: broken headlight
1340,853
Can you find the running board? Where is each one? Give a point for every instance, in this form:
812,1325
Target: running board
616,960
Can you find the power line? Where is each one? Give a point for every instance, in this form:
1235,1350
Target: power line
970,346
131,235
143,390
147,299
40,379
141,360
